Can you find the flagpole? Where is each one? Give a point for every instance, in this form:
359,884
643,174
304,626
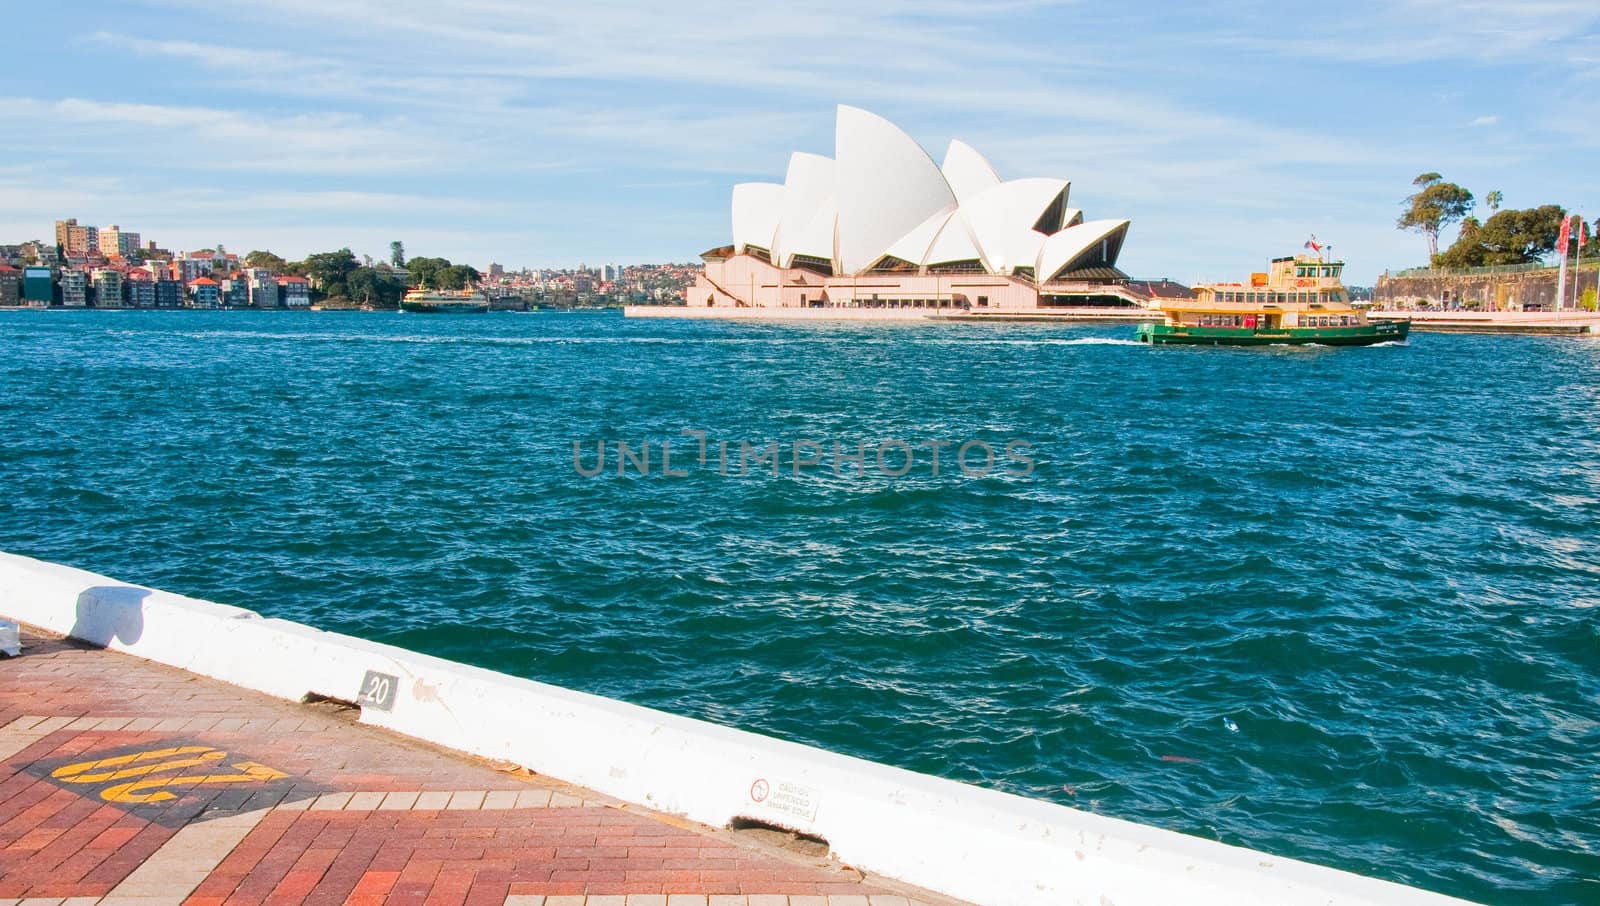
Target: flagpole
1577,265
1561,273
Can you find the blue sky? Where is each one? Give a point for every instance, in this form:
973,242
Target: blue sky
552,134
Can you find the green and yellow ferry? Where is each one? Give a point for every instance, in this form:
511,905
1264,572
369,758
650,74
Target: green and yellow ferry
446,302
1299,301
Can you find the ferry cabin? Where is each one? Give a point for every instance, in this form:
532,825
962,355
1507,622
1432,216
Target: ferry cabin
1297,291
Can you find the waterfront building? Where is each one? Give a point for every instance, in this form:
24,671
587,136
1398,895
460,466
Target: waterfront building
38,286
10,285
115,242
40,252
74,288
263,289
880,225
204,292
139,289
77,239
107,287
83,241
169,292
11,254
296,292
235,291
193,265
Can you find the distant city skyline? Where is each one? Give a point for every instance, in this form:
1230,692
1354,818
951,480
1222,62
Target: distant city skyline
544,137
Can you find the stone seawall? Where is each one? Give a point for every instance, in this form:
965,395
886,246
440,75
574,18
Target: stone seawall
1515,291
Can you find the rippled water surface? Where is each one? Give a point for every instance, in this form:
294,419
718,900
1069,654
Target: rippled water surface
1335,604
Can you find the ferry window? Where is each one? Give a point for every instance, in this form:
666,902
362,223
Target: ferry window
983,301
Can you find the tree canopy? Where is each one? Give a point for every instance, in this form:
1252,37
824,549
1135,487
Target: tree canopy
457,276
439,273
1435,205
397,253
259,258
374,287
423,269
328,270
1509,237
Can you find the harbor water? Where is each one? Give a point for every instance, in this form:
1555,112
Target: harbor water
1335,604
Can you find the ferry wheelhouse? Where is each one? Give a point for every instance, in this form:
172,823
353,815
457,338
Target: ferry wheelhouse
1299,300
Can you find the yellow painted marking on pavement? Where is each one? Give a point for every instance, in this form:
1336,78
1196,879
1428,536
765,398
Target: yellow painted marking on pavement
135,792
78,773
159,761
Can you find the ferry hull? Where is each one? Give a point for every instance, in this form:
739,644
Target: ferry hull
445,308
1361,335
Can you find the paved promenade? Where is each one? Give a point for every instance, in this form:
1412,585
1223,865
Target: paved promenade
128,782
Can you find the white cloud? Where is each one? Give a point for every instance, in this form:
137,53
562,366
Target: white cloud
216,139
1485,121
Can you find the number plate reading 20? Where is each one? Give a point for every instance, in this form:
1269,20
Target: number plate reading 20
377,691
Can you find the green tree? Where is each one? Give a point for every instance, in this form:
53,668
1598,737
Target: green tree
1509,237
263,259
397,253
423,269
457,276
327,271
1494,200
1435,205
374,287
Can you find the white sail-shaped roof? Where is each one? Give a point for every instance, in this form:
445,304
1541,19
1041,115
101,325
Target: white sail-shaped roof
914,246
1073,242
807,188
954,243
1002,219
887,187
757,207
967,171
881,195
816,240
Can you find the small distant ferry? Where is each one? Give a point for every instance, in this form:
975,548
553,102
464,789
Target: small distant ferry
1300,300
445,302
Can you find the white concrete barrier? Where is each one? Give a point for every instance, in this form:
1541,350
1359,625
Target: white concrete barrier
977,844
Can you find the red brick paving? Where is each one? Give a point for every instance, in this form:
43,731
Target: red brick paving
62,842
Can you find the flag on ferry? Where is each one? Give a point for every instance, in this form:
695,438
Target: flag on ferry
1312,244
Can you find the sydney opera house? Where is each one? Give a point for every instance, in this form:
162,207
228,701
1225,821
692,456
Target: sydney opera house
881,228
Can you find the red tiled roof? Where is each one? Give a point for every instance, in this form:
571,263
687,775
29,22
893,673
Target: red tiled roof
202,281
292,280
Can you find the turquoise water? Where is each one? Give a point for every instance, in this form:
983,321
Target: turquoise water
1334,604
